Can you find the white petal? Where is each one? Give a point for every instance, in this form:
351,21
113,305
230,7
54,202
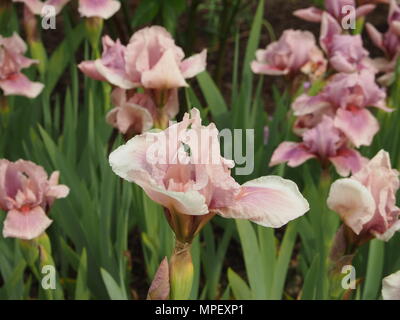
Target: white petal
353,202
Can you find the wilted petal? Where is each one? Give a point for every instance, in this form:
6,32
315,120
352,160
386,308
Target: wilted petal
353,202
98,8
19,84
291,152
391,287
310,14
26,225
269,201
359,125
194,65
160,287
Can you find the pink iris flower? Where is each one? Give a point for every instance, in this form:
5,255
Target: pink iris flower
334,8
182,169
389,43
346,98
104,9
26,193
151,60
12,61
346,52
295,51
325,143
366,201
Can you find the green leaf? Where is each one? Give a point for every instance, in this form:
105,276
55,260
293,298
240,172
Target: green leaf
114,290
239,287
81,289
374,270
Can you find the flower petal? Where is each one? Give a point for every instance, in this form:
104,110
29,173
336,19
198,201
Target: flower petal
19,84
293,153
27,225
165,74
104,9
270,201
391,287
347,161
194,64
353,202
310,14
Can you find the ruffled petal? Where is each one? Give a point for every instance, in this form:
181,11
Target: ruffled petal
391,287
359,125
194,65
104,9
269,201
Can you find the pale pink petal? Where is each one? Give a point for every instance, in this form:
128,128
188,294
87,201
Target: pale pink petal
263,68
89,69
359,125
194,65
130,162
104,9
165,74
375,35
56,191
26,225
391,287
269,201
305,104
329,28
113,76
19,84
293,153
341,63
362,11
160,287
353,202
35,6
310,14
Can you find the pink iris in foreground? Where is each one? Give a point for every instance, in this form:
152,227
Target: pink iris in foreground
391,287
346,98
325,143
12,61
366,202
151,60
334,8
182,169
26,193
295,51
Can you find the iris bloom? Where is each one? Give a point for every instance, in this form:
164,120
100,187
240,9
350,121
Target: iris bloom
151,60
295,51
325,143
12,61
26,193
346,98
104,9
182,169
389,43
366,202
334,8
346,52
